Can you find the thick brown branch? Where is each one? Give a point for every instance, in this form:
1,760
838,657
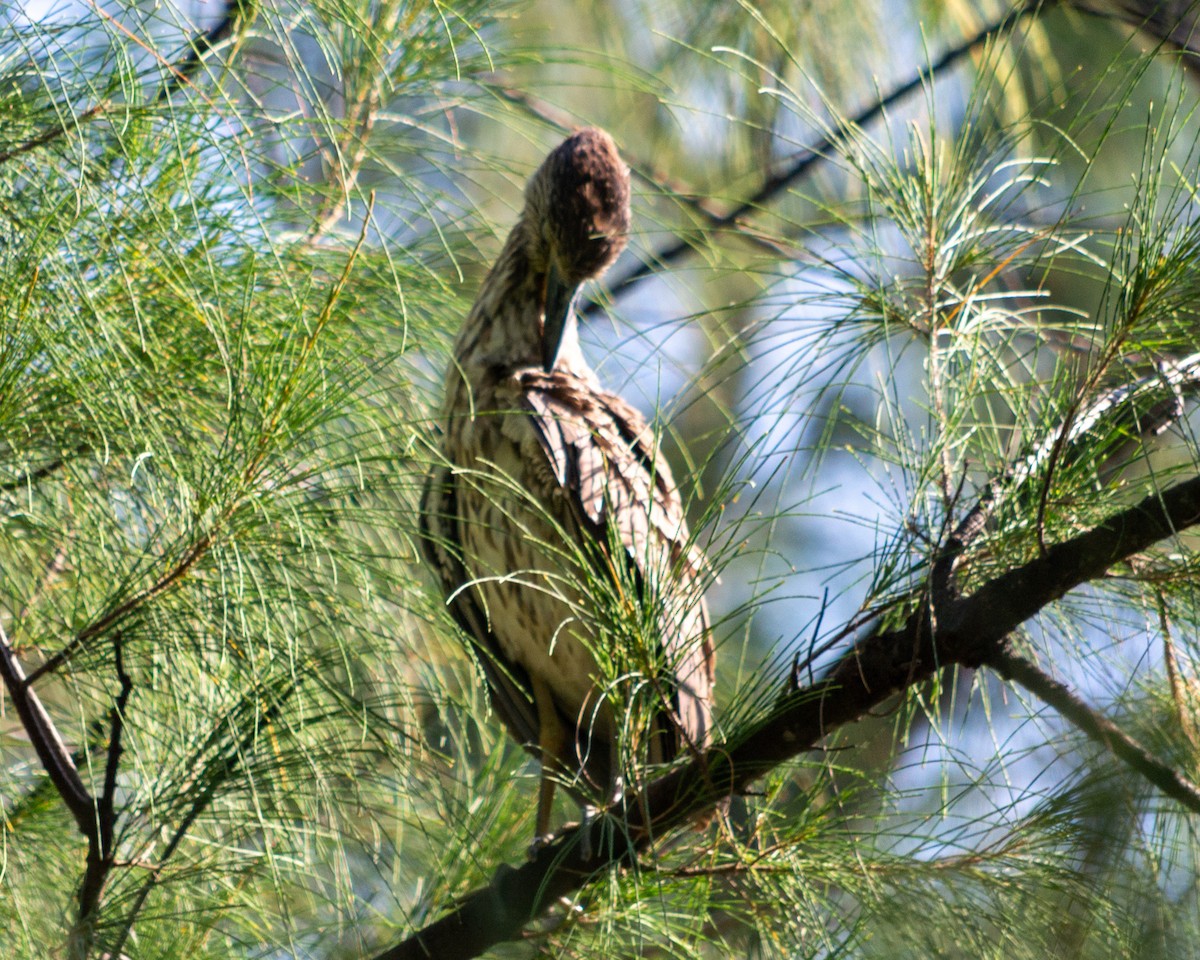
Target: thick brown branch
970,631
49,746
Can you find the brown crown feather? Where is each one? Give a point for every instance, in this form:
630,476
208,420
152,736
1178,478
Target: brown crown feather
582,189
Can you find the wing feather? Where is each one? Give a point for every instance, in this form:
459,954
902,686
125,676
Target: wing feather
604,457
509,686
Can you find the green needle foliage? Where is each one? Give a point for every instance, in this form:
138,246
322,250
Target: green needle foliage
925,310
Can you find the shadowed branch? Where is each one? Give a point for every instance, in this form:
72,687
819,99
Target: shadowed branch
46,740
100,841
802,162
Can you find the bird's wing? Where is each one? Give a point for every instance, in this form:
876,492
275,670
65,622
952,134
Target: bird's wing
605,458
509,686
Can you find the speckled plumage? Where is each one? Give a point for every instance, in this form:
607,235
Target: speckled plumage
544,470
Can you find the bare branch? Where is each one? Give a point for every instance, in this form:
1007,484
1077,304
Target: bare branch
105,811
1012,666
679,192
47,743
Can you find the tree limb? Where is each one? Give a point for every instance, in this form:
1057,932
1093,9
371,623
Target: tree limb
1018,669
970,631
47,743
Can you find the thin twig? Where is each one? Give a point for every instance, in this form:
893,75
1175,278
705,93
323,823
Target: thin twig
1179,691
112,763
238,14
33,476
53,133
100,859
122,610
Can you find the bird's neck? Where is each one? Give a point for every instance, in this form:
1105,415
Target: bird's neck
504,328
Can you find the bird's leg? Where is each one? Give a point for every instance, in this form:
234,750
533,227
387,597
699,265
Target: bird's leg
552,741
617,786
589,811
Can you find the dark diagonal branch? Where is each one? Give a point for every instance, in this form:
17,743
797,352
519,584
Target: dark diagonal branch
114,616
799,165
52,753
970,631
1098,727
33,476
52,133
237,14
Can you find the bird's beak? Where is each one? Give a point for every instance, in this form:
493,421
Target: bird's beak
560,302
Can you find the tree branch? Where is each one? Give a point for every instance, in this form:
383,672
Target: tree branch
49,746
970,631
32,476
800,164
1012,666
1151,404
122,610
641,170
53,133
100,843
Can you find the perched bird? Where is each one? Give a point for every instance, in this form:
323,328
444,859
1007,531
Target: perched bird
551,500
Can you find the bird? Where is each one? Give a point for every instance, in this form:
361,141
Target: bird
549,491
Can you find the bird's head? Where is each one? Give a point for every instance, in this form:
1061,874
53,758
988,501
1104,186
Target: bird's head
577,218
